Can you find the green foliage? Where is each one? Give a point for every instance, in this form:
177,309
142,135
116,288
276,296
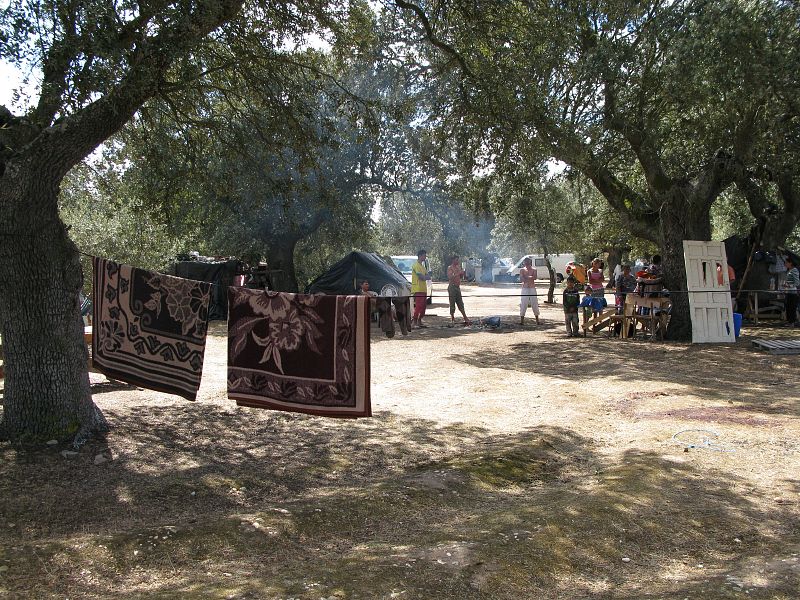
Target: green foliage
107,219
730,215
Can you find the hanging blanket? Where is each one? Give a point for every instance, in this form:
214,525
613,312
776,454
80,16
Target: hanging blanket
298,352
149,329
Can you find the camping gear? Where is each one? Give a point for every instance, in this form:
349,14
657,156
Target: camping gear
299,352
149,329
345,276
220,273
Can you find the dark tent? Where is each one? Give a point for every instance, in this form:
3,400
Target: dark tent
345,276
220,273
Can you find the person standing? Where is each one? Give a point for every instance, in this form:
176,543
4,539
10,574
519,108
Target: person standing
528,297
571,298
790,289
595,279
419,288
625,284
455,275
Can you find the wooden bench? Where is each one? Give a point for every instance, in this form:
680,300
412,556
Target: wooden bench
599,322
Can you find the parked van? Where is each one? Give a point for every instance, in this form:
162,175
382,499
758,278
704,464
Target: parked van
558,261
403,264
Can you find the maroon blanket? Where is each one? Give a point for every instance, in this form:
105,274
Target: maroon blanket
296,352
149,329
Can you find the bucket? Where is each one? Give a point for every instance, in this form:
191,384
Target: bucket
737,324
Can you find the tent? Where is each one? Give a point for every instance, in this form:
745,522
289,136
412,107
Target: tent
345,276
220,273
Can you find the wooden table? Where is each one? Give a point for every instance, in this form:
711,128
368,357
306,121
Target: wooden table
770,311
654,322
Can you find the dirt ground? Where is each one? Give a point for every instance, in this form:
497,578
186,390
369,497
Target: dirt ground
514,463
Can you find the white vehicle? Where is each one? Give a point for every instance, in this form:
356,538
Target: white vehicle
558,261
403,264
497,272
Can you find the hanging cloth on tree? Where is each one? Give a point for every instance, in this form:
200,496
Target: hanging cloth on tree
299,352
149,329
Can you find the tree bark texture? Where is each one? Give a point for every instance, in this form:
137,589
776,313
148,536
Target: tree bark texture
682,218
47,394
280,261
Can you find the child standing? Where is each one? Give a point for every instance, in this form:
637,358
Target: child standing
571,299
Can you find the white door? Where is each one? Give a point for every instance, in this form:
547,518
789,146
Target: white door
709,301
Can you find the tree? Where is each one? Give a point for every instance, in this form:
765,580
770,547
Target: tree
99,63
654,102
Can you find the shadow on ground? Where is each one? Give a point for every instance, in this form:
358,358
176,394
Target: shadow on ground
706,370
210,501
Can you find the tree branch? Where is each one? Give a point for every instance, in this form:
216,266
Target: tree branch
429,33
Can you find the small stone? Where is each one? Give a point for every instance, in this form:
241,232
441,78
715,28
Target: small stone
69,453
100,459
737,540
626,559
51,442
136,553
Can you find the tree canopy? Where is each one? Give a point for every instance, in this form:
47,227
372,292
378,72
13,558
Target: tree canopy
660,104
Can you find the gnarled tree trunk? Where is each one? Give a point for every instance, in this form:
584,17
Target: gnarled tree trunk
47,394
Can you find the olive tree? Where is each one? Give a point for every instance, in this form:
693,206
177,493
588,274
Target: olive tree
95,64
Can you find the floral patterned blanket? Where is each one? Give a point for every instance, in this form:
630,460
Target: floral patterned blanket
297,352
149,329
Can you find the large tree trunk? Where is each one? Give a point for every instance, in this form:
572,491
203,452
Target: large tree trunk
47,394
280,261
614,259
680,220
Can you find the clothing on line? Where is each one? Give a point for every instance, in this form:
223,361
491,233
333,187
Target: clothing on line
299,352
149,329
391,308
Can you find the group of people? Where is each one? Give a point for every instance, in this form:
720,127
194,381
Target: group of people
623,282
420,275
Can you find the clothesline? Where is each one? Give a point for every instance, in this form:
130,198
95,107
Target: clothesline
537,294
290,352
